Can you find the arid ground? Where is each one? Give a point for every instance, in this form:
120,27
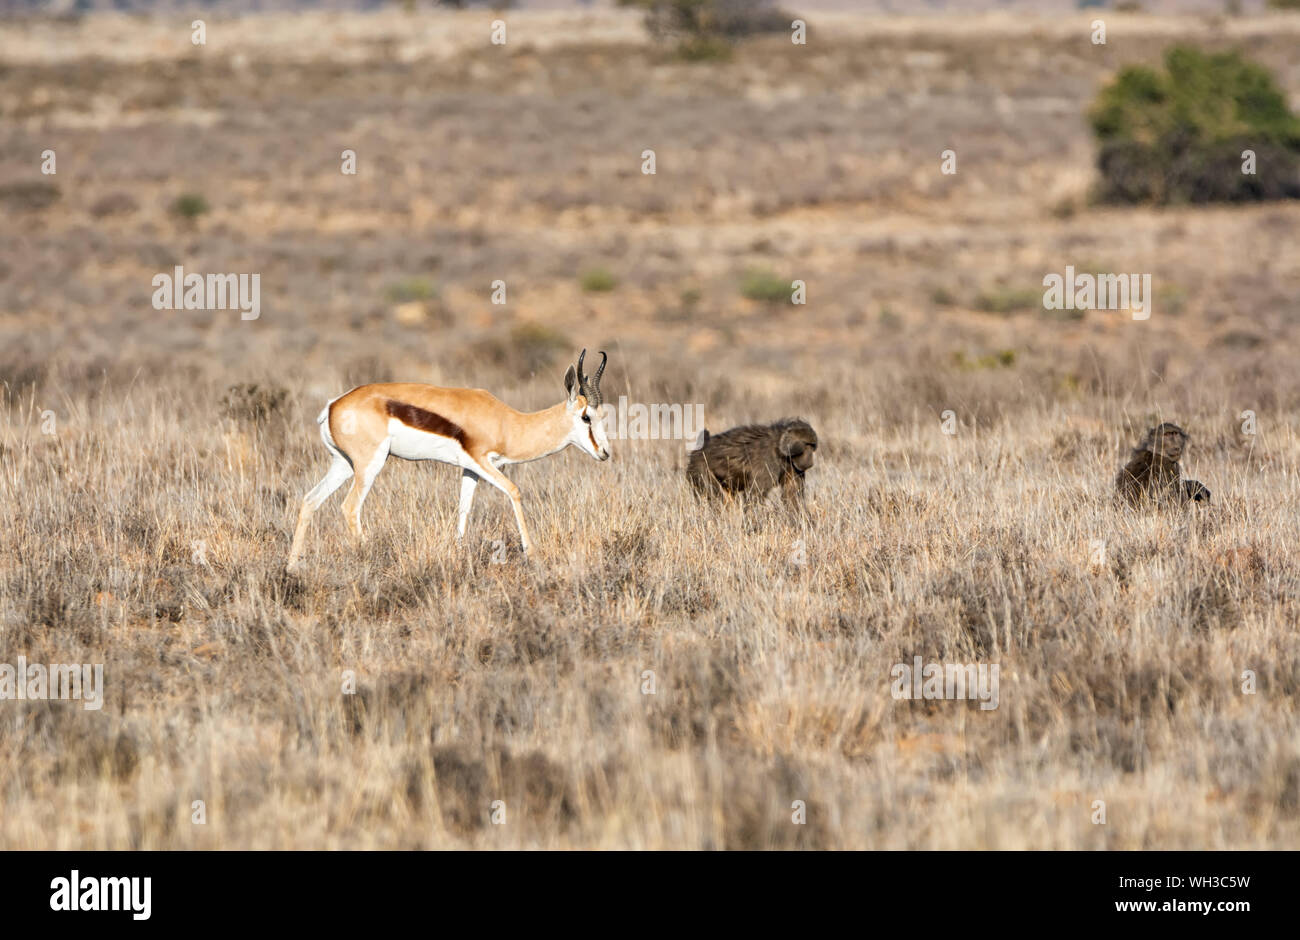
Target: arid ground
1148,660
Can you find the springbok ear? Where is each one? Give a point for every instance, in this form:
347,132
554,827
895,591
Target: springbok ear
571,383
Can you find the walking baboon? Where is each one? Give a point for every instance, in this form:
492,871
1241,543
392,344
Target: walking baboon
1154,474
751,459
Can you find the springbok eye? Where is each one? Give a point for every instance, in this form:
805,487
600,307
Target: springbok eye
586,418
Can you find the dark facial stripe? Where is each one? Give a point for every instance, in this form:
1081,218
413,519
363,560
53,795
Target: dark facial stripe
422,420
592,434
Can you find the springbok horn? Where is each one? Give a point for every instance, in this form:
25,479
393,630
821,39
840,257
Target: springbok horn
595,382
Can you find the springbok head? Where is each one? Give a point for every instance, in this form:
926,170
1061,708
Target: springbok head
584,407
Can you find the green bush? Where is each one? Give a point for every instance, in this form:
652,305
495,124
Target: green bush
1177,135
598,281
761,284
190,206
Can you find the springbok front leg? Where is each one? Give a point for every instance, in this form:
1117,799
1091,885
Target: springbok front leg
504,484
468,483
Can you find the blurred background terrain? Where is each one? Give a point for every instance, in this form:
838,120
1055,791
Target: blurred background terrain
150,527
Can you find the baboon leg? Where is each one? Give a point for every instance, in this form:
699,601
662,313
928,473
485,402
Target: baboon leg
335,477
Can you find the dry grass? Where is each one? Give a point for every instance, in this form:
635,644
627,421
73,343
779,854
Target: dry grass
149,531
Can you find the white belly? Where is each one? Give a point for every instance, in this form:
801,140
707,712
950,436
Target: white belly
413,444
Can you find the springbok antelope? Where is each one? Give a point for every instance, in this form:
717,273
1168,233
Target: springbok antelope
466,427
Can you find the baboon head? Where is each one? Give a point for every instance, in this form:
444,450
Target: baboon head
1165,440
797,444
584,402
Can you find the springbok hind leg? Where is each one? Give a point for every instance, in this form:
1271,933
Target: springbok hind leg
468,483
335,477
361,487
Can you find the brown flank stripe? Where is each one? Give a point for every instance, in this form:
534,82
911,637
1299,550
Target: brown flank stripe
420,419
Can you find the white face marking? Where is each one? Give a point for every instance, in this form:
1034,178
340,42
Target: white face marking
413,444
589,434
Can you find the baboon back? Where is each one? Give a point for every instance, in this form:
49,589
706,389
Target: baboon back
749,459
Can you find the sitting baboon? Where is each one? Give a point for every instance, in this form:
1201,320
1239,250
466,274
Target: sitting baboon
751,459
1154,474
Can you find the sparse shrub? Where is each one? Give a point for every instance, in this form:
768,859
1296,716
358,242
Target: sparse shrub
1065,313
1065,208
251,402
1177,136
540,341
190,206
762,284
704,49
1171,298
529,348
705,29
1006,300
411,289
598,280
114,204
29,194
1002,359
1241,339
